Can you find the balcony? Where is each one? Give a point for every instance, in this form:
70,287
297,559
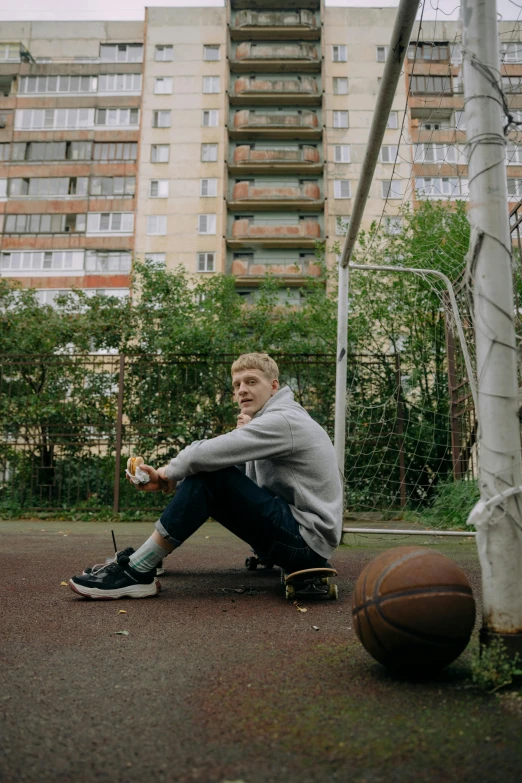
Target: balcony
291,270
281,195
266,57
252,124
281,160
290,91
273,25
268,5
274,232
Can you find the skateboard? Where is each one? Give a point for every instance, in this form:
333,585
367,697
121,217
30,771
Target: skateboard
251,563
311,583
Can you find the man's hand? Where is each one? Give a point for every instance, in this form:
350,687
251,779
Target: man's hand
243,419
158,481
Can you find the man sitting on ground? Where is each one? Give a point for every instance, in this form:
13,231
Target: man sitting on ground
287,505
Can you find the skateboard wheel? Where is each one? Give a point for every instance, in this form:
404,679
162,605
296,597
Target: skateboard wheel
251,563
269,566
333,592
290,592
324,581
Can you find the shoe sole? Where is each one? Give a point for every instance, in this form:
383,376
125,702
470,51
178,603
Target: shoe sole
133,591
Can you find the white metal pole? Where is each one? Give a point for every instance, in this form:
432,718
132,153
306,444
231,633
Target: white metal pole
398,47
499,526
342,367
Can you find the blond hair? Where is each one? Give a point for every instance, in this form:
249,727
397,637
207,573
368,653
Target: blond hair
257,361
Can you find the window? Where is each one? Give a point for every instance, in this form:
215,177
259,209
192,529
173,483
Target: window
512,84
341,225
210,84
117,116
382,54
388,153
206,262
113,186
53,187
3,187
163,85
210,118
208,187
341,153
339,54
391,188
514,188
432,51
10,51
460,120
78,150
342,188
44,224
211,52
156,259
513,155
162,118
110,222
206,224
456,53
209,153
159,153
442,187
159,188
41,261
431,85
340,86
57,84
439,153
114,151
5,149
340,119
512,52
121,53
164,53
99,261
156,225
53,119
119,82
393,120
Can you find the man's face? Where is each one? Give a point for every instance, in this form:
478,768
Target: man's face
252,390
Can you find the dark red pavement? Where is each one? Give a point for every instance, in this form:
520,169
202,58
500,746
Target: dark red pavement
212,685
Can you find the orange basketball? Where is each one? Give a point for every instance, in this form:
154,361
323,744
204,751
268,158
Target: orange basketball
413,609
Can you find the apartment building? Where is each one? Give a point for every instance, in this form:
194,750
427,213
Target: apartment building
224,139
69,134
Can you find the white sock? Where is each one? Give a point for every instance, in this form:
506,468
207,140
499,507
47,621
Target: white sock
147,556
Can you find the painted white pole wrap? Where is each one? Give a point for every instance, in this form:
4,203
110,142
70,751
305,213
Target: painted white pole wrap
499,531
397,49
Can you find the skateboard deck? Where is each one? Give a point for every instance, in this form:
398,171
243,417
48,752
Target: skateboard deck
311,583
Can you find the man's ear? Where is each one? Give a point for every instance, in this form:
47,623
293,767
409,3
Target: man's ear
275,387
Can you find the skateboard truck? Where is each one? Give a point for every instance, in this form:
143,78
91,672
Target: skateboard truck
310,583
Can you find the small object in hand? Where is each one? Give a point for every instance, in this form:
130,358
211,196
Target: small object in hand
135,473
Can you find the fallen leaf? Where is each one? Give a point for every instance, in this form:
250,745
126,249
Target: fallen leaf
315,627
232,589
122,611
122,633
63,584
207,536
299,608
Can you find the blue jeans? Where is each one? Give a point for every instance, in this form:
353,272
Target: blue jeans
252,513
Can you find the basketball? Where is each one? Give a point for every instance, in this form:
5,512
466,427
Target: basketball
413,610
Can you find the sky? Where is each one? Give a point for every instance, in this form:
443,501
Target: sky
134,9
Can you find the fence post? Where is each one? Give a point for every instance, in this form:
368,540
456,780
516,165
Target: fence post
119,423
452,389
400,430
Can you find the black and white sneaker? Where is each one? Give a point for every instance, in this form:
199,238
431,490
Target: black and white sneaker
129,550
116,580
160,568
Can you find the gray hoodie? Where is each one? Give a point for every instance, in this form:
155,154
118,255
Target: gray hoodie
287,452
